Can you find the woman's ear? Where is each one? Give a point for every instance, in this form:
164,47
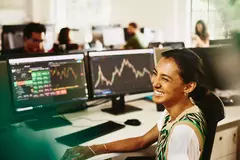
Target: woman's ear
189,87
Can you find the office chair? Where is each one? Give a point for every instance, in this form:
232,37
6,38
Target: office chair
213,110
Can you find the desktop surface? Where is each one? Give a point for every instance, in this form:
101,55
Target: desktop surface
47,145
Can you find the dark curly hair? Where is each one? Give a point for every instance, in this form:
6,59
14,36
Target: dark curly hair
33,27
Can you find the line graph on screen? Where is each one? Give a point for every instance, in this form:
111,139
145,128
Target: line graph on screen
138,74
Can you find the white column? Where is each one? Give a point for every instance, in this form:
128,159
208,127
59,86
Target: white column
43,11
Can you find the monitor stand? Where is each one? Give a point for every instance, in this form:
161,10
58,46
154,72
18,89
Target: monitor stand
47,123
119,106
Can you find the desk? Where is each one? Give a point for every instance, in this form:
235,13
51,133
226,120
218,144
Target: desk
93,116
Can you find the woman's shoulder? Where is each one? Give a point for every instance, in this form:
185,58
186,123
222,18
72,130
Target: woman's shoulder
193,113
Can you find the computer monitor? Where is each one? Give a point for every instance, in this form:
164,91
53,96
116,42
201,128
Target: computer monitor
113,36
221,67
158,53
221,42
154,45
12,37
47,81
173,45
6,112
117,73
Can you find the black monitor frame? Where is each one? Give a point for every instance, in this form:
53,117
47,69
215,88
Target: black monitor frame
173,45
10,29
221,41
6,111
209,56
20,28
118,101
47,111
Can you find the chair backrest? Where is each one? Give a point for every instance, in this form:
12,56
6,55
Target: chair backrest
213,110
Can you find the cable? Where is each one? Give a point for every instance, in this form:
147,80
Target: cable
79,118
99,102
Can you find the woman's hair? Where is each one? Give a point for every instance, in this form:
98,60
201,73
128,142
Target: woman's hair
204,34
63,37
191,70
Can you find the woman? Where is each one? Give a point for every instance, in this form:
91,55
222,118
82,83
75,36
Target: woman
177,82
64,42
201,38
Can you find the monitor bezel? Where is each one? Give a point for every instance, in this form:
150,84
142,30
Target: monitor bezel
91,87
51,108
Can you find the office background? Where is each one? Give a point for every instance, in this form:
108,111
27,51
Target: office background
175,20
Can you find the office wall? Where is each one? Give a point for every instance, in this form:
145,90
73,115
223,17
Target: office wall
171,16
43,11
13,12
21,11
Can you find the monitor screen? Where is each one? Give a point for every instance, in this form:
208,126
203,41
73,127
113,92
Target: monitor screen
113,36
121,72
38,82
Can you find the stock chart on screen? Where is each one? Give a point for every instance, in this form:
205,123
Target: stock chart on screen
48,79
121,72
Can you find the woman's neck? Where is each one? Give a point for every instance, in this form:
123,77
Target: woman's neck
176,109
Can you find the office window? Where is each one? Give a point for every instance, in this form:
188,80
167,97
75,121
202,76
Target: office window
212,13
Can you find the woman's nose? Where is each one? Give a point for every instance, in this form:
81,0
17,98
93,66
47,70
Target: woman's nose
156,82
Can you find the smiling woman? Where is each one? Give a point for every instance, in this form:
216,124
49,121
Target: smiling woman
177,82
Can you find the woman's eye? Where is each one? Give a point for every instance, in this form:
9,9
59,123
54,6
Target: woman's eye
165,79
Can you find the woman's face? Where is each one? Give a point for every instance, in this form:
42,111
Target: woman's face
167,84
199,27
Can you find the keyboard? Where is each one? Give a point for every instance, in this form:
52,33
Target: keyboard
47,123
88,134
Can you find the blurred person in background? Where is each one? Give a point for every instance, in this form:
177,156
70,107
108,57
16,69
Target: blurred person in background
64,41
201,37
138,41
33,37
